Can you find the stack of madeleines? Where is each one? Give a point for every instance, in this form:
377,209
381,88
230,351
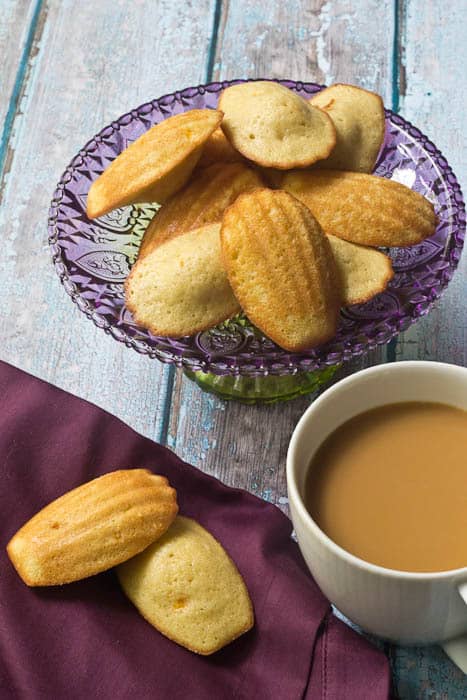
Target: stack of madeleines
176,574
268,206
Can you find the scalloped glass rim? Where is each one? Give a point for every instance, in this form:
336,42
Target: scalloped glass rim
237,348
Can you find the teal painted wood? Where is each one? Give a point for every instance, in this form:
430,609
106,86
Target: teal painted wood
246,446
17,27
117,53
429,66
319,41
323,42
88,63
426,673
432,60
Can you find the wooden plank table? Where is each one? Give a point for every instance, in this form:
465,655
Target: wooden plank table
70,67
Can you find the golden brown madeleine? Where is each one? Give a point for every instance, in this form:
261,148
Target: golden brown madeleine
93,527
156,165
363,208
358,116
281,268
218,149
189,589
181,287
275,127
364,272
202,201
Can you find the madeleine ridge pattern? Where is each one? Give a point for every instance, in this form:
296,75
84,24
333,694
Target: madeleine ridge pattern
92,259
362,208
202,201
93,527
155,165
281,268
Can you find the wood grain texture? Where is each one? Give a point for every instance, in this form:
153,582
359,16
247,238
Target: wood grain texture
431,95
427,93
318,41
72,67
425,673
89,62
246,445
17,25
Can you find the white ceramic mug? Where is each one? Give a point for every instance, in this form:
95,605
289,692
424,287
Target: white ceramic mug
405,607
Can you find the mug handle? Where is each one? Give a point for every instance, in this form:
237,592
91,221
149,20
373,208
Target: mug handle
456,648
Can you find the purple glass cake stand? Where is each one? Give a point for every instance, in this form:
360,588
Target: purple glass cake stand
235,360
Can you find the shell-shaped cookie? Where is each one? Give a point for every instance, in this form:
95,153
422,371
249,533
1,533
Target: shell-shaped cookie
364,272
358,116
281,268
202,201
156,165
93,527
181,287
218,149
189,589
363,208
274,127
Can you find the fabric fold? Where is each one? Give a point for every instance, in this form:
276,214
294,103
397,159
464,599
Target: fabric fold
86,639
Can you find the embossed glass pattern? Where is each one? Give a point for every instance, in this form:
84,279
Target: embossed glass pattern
93,258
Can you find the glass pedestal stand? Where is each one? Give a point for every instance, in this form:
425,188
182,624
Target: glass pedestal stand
262,390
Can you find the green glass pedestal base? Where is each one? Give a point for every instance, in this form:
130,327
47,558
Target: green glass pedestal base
262,390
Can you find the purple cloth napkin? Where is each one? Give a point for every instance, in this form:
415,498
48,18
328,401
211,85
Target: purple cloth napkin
85,640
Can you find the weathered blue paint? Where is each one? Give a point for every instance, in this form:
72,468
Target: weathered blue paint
269,39
86,68
210,65
433,62
19,22
13,103
428,51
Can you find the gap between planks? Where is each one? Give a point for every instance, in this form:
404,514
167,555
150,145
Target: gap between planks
172,370
184,391
33,38
398,86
